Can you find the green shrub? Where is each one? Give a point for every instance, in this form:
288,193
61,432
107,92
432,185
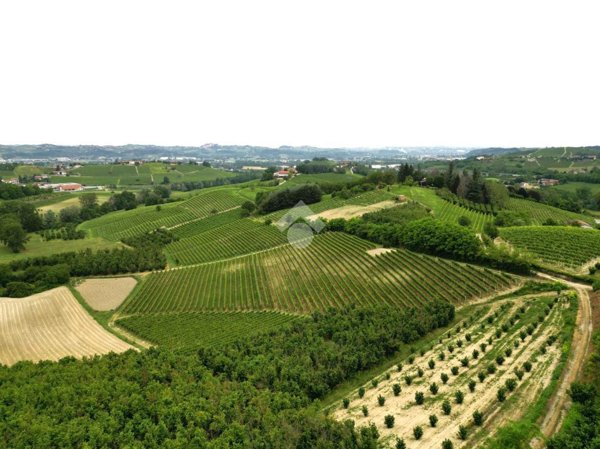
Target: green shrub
433,420
389,421
418,432
446,407
419,398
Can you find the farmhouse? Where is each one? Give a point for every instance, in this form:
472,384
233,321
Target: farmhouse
65,187
545,182
281,174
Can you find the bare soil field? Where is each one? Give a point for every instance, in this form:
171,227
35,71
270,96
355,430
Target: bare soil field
348,212
427,369
378,251
49,326
106,293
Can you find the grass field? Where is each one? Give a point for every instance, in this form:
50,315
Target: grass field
67,200
37,247
185,331
334,270
334,178
574,186
567,247
145,174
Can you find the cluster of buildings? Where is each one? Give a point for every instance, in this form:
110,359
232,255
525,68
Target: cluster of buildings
544,182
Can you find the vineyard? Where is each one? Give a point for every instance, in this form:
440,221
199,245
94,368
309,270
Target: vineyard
184,331
334,270
556,245
445,210
145,174
198,226
539,213
237,238
118,225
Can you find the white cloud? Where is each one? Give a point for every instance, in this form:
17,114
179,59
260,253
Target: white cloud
326,73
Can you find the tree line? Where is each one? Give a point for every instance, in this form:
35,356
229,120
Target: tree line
430,236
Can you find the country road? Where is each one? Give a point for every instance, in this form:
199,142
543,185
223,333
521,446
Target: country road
559,402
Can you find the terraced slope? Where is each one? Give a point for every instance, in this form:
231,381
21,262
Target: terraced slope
556,245
334,270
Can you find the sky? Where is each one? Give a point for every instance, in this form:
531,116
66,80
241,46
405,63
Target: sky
323,73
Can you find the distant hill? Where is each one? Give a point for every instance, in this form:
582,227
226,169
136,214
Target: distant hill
493,151
217,152
545,151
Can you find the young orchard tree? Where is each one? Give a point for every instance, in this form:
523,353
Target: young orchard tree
433,420
346,402
444,378
389,421
462,432
418,432
400,444
380,400
454,370
434,388
419,398
431,364
501,395
446,407
477,418
447,444
361,392
396,389
365,410
459,397
472,385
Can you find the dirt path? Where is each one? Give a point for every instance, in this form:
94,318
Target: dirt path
560,402
125,334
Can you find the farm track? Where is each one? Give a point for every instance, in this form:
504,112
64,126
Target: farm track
560,402
126,334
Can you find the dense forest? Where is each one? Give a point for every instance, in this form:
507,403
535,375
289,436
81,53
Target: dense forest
257,392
